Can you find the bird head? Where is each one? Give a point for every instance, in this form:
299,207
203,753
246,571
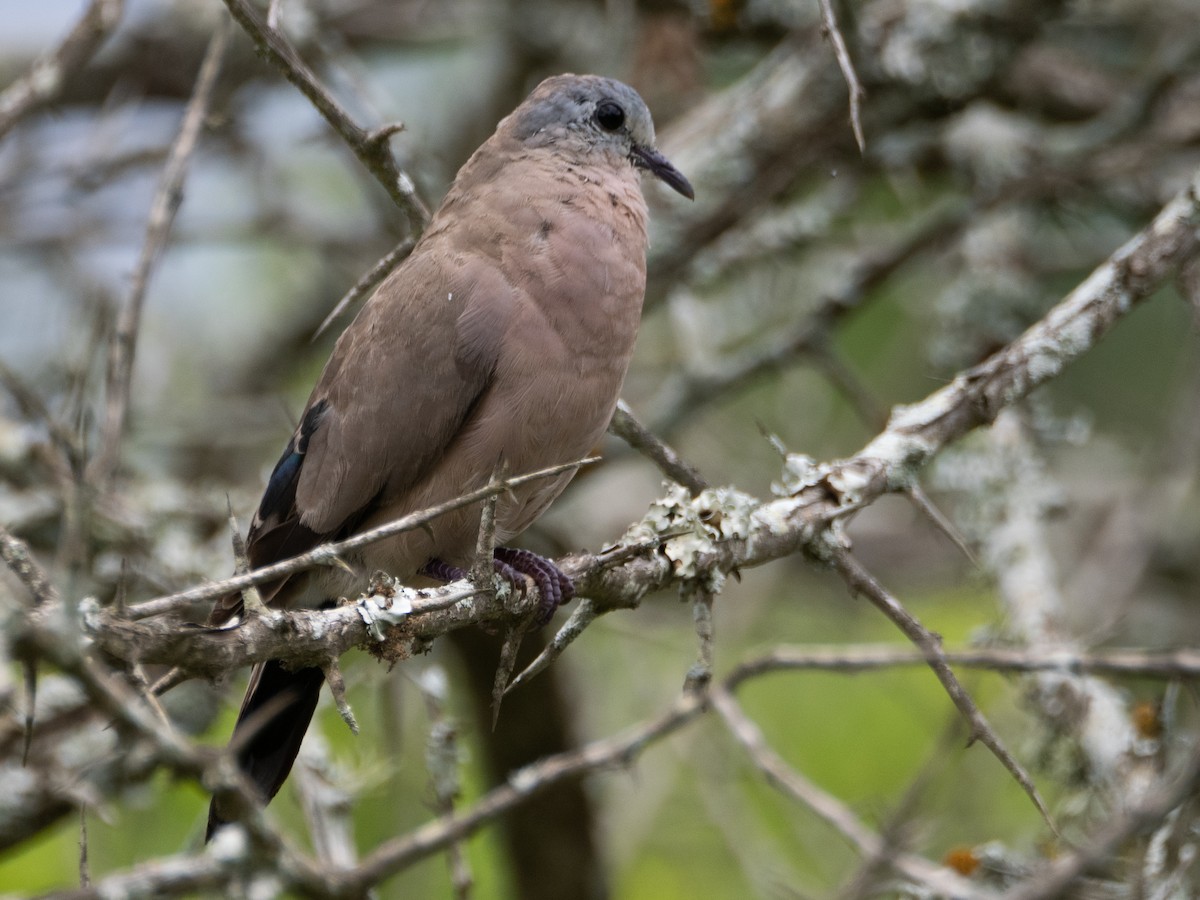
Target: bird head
594,115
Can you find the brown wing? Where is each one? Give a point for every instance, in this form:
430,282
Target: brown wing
402,379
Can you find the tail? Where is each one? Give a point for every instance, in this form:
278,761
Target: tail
278,708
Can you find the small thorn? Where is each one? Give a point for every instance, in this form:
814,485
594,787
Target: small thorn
504,669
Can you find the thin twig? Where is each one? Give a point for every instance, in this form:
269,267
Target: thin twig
699,677
857,91
369,279
831,810
1183,663
862,582
872,414
483,567
167,199
585,613
505,664
46,77
337,688
618,750
327,554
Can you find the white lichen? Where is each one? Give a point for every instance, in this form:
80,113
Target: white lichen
695,526
380,612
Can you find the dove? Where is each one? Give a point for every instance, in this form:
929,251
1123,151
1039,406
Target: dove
501,341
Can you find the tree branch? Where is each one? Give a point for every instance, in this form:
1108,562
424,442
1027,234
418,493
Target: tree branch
45,78
752,532
371,148
165,205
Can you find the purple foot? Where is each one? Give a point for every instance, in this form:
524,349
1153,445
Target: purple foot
554,586
442,571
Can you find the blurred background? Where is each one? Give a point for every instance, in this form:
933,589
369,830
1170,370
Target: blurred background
1011,146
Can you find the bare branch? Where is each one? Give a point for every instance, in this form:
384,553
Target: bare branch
1166,664
167,199
370,147
831,810
619,750
44,80
328,554
861,581
16,555
626,426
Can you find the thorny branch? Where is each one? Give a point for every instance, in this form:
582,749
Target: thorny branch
860,581
371,147
808,519
767,530
330,554
772,529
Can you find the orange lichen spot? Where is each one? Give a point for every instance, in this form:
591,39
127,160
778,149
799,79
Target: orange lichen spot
962,860
1146,719
724,13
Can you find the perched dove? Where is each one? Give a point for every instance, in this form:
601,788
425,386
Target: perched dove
502,339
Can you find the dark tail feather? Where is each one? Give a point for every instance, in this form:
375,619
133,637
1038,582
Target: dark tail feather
275,715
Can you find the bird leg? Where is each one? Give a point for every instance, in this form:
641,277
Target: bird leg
554,586
442,571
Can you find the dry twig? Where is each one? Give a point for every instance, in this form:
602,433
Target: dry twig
860,581
857,91
367,282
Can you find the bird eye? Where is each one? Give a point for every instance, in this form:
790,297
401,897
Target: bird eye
609,115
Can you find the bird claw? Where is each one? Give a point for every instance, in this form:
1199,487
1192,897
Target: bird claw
554,586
